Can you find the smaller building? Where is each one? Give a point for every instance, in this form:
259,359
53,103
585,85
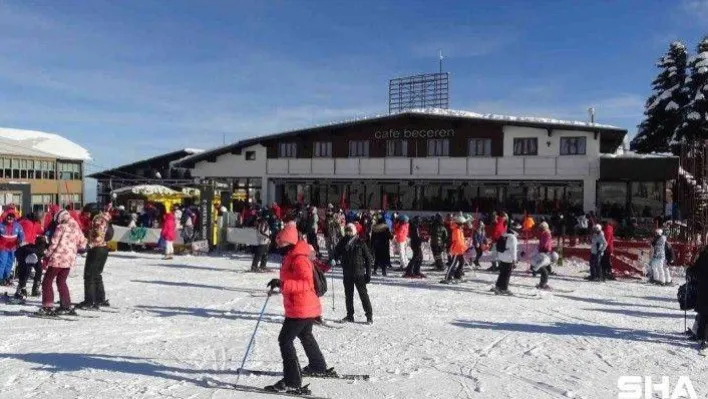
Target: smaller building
158,170
38,169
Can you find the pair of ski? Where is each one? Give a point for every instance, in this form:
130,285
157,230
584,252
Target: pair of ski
266,373
65,317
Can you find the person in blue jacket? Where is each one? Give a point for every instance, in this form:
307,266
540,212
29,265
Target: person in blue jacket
11,236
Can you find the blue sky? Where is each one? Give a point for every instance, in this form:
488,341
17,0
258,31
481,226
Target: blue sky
129,79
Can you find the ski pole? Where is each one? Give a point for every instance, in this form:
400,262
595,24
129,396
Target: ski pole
248,348
332,279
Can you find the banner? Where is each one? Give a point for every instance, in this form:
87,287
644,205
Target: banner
242,236
140,235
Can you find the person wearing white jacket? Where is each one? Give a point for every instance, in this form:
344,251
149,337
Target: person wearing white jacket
507,256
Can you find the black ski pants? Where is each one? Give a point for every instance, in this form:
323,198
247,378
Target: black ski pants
360,283
23,268
413,268
302,329
312,240
94,292
544,275
595,267
260,255
504,276
455,268
437,255
606,264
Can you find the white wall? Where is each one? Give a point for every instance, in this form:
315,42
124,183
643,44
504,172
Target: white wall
231,165
544,149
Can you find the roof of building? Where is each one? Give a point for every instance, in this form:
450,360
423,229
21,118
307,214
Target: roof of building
40,144
543,123
171,157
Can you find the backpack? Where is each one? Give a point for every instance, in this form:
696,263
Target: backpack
686,296
109,232
668,253
319,279
501,244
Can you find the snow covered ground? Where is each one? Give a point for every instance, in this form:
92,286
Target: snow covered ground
182,326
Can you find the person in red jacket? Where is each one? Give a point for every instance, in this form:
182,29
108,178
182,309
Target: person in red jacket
497,232
29,255
302,309
609,232
168,234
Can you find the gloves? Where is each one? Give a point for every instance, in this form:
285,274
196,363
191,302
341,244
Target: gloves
367,278
273,284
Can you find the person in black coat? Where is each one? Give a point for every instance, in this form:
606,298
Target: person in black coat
413,269
356,261
700,271
381,245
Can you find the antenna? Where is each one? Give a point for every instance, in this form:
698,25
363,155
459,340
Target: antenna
440,56
591,113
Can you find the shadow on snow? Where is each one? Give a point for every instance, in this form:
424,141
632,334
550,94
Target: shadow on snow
173,311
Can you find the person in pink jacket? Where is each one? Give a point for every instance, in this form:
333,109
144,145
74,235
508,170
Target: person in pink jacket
58,261
168,234
400,236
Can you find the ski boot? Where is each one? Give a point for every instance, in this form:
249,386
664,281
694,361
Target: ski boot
281,387
495,290
35,290
703,349
104,304
66,311
369,320
348,319
45,311
445,282
544,287
507,293
86,305
308,372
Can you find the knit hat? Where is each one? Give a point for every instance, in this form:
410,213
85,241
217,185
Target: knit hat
597,228
350,227
287,236
659,232
62,216
543,226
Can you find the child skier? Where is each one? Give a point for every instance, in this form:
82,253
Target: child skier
598,244
457,250
11,236
506,248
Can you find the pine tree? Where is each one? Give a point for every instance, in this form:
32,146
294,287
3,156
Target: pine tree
663,108
695,112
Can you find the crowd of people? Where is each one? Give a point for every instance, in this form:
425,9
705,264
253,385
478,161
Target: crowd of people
48,247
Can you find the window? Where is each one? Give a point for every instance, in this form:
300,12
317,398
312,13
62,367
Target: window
359,148
397,148
70,200
438,147
526,146
287,150
30,169
480,148
52,170
572,146
69,171
250,155
41,202
15,168
322,149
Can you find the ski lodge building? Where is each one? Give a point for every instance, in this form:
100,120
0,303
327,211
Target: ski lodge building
430,160
38,169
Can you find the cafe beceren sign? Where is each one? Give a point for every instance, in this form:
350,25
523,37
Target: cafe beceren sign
414,134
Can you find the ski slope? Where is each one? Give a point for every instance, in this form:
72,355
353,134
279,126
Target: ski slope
181,328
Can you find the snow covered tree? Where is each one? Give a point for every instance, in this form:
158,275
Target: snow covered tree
663,108
695,112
